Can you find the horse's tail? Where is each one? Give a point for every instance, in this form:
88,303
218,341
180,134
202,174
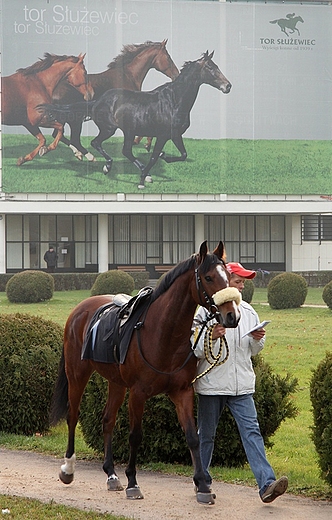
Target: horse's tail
274,21
59,404
80,111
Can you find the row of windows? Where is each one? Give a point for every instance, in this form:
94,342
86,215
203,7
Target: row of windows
258,241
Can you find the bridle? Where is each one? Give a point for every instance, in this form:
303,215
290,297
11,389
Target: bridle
213,313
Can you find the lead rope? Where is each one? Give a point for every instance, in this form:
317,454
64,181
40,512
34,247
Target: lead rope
212,358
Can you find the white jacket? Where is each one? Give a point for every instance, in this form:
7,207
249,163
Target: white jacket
236,376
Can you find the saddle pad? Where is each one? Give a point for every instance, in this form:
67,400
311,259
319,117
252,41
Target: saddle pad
108,335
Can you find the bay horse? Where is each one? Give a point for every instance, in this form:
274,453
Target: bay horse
28,87
128,70
163,113
159,360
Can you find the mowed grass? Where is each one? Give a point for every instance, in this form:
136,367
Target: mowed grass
234,166
297,340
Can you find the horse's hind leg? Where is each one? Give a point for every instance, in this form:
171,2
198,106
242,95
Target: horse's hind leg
115,398
35,131
76,385
184,402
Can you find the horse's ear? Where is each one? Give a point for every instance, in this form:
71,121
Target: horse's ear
202,251
211,55
220,251
81,56
164,42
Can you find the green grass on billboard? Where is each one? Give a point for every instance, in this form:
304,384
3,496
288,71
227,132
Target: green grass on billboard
232,166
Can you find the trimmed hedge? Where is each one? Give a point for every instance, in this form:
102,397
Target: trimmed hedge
30,349
321,400
327,295
113,282
287,291
163,438
30,287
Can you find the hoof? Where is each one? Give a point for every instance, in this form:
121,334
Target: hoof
43,151
148,178
90,157
141,187
114,484
65,478
162,155
107,167
20,161
134,493
205,498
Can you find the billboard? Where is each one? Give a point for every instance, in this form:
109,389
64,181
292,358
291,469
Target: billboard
238,97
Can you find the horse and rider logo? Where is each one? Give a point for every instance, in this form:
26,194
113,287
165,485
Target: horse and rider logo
289,23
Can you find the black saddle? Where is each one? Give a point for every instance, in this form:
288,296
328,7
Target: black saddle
111,327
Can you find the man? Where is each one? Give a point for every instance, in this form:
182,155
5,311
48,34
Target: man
50,258
232,384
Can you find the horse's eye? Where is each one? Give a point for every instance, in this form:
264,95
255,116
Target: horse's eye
208,278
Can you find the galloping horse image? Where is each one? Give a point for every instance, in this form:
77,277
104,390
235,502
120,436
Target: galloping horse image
289,22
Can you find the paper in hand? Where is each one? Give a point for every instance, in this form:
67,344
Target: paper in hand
259,326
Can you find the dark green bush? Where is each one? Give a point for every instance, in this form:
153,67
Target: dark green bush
113,282
163,438
327,294
321,400
30,287
248,291
287,291
73,281
30,349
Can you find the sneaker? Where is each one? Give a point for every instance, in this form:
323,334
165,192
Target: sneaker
274,490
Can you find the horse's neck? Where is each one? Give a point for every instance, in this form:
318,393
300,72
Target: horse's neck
185,91
178,304
53,76
138,68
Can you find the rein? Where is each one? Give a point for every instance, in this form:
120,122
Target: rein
213,313
213,359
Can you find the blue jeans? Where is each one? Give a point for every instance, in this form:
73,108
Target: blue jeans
243,409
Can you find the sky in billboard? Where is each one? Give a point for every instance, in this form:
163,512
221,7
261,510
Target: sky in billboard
269,133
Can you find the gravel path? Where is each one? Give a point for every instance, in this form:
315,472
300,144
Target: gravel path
165,497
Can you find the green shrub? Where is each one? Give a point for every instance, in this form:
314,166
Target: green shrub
113,282
321,400
30,287
327,294
248,291
287,291
163,438
30,349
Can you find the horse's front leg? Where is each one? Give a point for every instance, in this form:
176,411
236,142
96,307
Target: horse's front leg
75,142
59,133
136,409
97,144
115,399
184,403
178,141
157,152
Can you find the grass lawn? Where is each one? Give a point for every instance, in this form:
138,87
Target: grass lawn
297,340
213,166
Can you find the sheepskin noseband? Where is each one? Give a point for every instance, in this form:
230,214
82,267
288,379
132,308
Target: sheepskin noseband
227,295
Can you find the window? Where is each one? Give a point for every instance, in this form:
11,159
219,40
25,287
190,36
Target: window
316,228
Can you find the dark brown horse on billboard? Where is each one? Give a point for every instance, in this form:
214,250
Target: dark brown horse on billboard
27,88
128,70
159,360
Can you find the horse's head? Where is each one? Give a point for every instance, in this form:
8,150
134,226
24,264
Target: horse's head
212,75
164,63
212,286
77,77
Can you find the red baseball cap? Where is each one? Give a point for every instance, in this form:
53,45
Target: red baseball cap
236,268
